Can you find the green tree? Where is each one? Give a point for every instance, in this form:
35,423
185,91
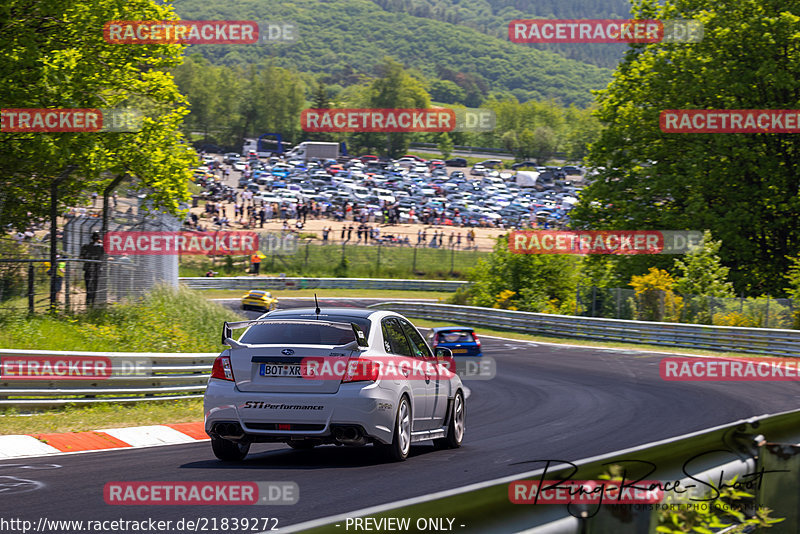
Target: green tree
393,88
544,143
447,92
793,291
271,100
702,272
202,85
743,187
54,56
445,145
321,98
530,282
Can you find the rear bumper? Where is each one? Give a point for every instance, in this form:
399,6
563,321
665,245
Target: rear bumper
368,406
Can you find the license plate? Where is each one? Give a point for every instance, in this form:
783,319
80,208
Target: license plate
280,369
459,351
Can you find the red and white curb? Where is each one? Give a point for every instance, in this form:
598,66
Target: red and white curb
22,446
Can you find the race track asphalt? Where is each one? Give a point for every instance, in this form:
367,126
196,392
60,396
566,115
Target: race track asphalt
546,402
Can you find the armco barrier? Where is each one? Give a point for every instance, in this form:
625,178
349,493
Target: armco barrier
164,376
275,283
735,449
767,341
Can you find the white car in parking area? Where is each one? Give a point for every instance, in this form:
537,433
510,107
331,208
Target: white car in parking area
345,376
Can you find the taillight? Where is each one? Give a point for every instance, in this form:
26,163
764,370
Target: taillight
222,368
362,371
477,341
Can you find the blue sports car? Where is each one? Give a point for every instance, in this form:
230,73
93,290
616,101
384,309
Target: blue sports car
461,340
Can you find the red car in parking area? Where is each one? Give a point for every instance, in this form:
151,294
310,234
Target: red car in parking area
368,158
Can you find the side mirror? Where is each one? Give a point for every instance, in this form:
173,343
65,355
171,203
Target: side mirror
445,356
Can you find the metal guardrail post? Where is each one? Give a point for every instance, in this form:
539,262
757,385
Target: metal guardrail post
30,289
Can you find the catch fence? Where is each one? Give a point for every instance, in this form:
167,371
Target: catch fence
667,306
25,278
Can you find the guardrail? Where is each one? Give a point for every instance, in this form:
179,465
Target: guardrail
739,449
275,283
120,377
768,341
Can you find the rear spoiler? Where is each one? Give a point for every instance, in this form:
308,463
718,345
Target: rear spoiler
229,327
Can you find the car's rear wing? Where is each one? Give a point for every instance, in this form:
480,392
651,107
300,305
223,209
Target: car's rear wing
229,327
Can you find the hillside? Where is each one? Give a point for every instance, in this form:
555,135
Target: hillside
492,17
345,39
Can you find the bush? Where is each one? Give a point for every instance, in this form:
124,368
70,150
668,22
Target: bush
164,320
655,300
527,282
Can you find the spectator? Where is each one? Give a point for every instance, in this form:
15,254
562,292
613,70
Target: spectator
60,272
94,253
255,263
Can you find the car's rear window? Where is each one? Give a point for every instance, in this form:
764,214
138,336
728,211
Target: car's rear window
456,337
302,333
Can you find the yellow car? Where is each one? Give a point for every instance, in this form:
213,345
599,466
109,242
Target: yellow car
257,299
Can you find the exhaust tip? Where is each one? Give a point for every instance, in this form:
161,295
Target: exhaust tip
229,430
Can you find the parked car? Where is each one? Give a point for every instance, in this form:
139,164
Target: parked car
456,162
523,165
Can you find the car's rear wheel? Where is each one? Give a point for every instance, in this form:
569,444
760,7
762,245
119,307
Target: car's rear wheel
398,449
229,451
455,429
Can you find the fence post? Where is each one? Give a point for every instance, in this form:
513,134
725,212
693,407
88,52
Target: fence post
414,262
67,274
306,261
594,301
30,288
766,315
378,260
618,296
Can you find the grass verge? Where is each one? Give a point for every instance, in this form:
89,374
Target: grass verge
85,418
351,261
425,323
331,293
164,320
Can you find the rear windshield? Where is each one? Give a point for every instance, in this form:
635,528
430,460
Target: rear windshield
456,337
306,333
